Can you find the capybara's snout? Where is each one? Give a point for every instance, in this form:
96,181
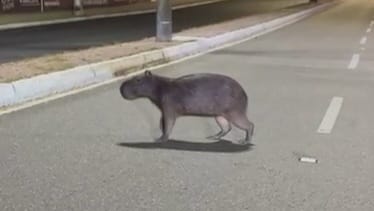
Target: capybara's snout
126,92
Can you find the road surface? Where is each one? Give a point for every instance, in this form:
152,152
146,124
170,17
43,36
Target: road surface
309,96
38,41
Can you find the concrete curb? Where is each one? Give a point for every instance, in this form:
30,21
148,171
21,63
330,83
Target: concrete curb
44,85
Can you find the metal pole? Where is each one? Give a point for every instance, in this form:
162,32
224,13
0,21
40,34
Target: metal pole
78,7
164,21
42,6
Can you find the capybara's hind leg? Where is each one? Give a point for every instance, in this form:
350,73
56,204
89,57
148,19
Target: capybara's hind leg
241,121
224,125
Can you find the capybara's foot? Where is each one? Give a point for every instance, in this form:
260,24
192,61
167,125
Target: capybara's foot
247,139
244,142
161,140
216,136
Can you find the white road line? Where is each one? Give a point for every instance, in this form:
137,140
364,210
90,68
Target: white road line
368,30
363,40
354,62
331,115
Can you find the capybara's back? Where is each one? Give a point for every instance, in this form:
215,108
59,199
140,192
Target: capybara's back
207,94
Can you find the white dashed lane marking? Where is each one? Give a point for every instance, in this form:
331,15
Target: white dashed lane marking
331,115
363,40
354,62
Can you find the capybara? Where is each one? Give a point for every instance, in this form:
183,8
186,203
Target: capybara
204,94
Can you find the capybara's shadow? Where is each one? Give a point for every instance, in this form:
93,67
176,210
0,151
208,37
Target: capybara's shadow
219,146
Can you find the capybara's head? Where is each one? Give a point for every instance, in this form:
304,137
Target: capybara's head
138,86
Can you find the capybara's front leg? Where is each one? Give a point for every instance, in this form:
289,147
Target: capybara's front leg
166,123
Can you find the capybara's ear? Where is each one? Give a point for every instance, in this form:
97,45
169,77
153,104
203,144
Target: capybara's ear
148,73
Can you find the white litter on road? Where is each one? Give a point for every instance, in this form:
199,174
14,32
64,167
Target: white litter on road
308,160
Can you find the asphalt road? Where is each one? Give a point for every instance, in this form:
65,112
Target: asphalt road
95,151
38,41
